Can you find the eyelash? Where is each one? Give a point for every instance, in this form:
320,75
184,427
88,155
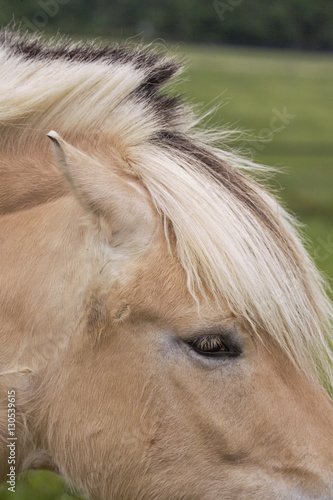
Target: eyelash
214,346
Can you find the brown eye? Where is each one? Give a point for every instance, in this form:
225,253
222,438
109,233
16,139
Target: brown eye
214,346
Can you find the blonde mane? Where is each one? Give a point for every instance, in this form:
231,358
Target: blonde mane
233,239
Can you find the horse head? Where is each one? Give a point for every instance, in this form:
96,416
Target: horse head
163,329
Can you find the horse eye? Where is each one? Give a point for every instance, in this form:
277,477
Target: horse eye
214,346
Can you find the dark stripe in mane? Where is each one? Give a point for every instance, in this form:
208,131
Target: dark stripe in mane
33,47
230,178
159,70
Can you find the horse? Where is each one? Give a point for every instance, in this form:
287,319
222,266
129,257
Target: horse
164,333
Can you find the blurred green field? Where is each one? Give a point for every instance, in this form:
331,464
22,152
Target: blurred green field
256,86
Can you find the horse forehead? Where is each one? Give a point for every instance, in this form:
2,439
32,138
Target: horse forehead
156,281
155,287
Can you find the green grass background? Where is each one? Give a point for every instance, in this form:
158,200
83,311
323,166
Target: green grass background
251,84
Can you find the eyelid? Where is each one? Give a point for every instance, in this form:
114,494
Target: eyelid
231,350
217,354
228,337
227,332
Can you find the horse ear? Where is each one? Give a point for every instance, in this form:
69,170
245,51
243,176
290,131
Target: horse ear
120,200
